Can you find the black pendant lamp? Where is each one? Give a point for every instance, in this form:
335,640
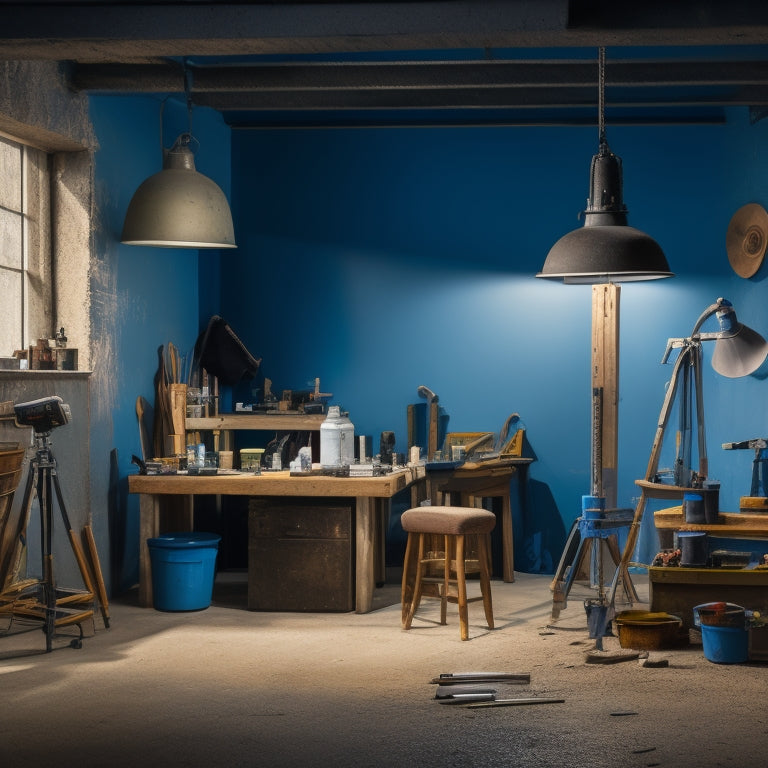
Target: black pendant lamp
606,249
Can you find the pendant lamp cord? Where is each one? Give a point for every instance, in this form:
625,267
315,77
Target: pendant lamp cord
601,96
188,94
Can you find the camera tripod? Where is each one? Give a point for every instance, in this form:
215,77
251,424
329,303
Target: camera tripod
53,606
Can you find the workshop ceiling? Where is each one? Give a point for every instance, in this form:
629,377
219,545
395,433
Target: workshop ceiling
436,62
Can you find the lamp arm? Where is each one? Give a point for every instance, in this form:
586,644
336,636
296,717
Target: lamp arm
708,312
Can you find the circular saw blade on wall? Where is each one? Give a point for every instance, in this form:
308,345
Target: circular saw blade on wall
747,238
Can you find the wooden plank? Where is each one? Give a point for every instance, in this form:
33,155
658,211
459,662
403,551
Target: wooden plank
605,376
434,421
255,421
731,525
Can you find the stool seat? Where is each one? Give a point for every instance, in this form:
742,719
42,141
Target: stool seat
448,520
423,562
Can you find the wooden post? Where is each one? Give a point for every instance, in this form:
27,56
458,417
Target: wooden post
605,377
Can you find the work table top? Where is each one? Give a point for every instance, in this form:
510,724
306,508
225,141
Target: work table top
275,484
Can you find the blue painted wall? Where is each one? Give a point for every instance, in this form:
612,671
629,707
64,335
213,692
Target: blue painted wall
383,259
143,298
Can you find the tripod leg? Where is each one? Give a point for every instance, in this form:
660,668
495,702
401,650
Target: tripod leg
46,527
560,585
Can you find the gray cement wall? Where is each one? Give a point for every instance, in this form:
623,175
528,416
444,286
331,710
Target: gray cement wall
37,107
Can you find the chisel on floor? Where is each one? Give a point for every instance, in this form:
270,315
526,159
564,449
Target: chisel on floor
513,702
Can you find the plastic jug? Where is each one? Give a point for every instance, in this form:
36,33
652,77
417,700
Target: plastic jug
337,439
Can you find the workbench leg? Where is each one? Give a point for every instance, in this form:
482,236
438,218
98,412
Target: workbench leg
382,526
153,520
507,541
149,528
364,553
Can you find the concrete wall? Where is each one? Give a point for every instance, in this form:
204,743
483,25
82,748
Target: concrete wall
119,304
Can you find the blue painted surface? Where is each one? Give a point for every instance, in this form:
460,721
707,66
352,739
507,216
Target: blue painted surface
384,259
380,260
145,297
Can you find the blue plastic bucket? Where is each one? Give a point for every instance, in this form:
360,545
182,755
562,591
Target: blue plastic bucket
725,645
183,569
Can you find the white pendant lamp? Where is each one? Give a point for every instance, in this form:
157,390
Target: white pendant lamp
179,207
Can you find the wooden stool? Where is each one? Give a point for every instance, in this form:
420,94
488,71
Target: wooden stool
454,524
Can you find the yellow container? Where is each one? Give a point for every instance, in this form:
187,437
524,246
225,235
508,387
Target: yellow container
250,459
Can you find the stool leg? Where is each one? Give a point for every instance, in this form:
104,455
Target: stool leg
485,577
461,585
446,580
416,585
409,574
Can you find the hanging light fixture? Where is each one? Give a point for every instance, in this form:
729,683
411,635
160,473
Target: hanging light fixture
605,251
179,207
606,248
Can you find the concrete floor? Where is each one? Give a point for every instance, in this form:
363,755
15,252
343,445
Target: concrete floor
230,687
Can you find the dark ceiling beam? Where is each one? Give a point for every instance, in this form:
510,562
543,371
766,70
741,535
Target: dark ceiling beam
476,98
129,31
165,78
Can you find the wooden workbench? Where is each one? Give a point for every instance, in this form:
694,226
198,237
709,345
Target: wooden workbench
678,590
371,494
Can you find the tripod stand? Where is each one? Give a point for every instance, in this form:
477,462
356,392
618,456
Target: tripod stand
53,606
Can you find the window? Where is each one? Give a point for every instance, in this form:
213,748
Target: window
26,287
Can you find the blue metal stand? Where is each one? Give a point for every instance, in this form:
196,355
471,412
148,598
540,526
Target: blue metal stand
595,527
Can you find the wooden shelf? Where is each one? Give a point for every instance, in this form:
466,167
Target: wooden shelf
662,490
732,524
257,421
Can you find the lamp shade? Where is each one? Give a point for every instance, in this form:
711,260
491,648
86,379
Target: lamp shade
739,350
179,208
605,249
599,254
